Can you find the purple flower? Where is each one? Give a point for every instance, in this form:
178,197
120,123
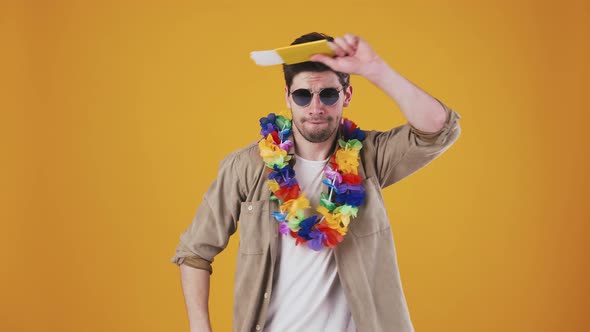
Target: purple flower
317,238
286,145
289,182
268,125
284,228
356,188
333,175
351,131
283,175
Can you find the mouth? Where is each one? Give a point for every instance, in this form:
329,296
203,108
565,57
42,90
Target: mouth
317,121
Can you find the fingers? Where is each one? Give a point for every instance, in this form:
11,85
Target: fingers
352,40
327,60
346,45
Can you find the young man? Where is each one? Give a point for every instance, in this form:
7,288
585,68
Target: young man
298,269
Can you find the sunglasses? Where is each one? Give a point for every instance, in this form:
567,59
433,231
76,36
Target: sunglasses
328,96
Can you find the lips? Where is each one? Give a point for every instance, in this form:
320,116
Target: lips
317,121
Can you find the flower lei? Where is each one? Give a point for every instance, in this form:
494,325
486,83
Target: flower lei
346,192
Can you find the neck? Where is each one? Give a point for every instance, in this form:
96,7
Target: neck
313,151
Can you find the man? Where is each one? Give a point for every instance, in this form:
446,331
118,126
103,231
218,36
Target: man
298,270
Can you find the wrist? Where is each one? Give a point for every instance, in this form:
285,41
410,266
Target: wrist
377,71
201,326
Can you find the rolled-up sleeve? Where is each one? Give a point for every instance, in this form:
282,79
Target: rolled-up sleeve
195,262
439,137
405,149
214,222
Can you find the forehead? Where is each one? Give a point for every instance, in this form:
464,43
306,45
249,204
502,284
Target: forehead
308,79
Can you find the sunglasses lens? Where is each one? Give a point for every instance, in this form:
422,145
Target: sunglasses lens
329,96
301,97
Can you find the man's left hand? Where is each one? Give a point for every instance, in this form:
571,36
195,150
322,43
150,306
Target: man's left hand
353,56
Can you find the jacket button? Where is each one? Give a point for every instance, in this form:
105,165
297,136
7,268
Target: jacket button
265,295
250,207
257,327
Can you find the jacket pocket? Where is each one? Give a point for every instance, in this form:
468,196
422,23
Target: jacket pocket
253,227
372,216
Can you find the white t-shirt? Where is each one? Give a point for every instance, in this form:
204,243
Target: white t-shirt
307,294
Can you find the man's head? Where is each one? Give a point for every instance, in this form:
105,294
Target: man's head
316,96
291,70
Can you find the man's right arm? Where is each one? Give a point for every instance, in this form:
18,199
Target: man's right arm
195,287
208,234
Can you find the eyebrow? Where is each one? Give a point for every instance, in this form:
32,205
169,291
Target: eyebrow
326,87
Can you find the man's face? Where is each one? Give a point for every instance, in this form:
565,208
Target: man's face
317,122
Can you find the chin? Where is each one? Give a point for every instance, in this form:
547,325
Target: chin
318,136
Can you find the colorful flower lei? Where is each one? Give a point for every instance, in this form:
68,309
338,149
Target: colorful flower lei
345,190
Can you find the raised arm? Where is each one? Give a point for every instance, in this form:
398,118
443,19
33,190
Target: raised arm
355,56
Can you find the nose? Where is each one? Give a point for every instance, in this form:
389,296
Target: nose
315,106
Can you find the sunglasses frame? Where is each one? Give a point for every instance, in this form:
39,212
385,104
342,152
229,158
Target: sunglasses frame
318,93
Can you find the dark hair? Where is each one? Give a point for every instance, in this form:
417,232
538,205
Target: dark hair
291,70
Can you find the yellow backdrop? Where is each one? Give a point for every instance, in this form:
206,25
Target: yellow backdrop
115,115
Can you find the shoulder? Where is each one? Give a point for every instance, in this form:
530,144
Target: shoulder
245,164
244,167
246,157
374,138
374,135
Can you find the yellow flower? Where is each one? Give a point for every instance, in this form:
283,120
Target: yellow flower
273,185
328,218
335,221
348,160
290,207
342,230
344,219
270,152
322,209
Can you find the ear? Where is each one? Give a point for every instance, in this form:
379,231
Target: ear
287,97
347,96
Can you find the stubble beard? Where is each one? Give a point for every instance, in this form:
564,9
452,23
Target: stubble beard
318,136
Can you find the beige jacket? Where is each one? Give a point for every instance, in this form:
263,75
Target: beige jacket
366,259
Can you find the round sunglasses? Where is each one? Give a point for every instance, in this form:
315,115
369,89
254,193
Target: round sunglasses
328,96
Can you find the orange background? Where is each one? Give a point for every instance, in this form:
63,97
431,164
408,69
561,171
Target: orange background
115,115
